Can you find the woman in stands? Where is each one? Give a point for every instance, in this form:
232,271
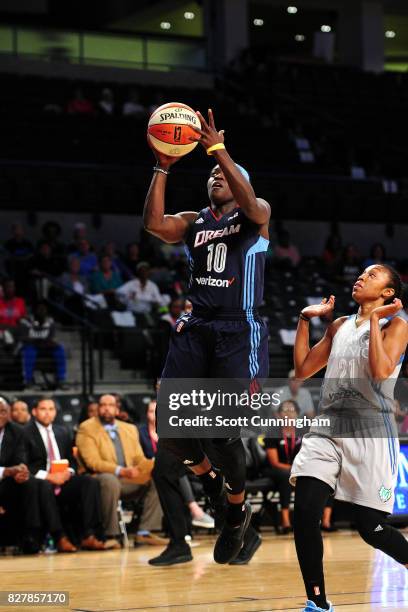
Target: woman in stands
356,456
280,453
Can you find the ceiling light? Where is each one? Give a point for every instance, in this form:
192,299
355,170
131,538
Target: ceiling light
258,22
188,15
390,34
165,25
300,37
325,28
292,10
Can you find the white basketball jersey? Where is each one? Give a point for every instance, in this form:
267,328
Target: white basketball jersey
348,389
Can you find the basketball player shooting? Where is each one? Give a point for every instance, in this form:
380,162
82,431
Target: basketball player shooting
363,354
223,336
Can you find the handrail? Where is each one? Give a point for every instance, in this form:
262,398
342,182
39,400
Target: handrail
57,283
88,331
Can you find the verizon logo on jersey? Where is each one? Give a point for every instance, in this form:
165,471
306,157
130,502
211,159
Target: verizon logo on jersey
214,282
207,235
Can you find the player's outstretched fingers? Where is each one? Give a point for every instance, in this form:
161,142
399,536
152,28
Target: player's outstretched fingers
199,134
211,119
203,122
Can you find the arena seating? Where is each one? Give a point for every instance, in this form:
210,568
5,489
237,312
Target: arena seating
346,125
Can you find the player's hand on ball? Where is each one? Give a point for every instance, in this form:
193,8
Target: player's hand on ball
164,161
208,135
388,310
320,310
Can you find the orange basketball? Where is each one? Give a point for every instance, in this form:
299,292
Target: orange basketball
170,129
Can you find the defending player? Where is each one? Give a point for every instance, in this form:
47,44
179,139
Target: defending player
356,457
223,337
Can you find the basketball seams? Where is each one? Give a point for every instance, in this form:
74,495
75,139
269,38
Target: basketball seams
165,133
170,129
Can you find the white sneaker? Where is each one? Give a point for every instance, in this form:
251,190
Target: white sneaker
206,521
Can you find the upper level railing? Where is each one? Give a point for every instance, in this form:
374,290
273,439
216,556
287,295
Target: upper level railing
125,50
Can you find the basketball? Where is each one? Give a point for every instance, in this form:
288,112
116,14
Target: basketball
170,129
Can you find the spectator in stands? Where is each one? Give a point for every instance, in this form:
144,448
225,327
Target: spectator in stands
123,414
149,440
332,253
141,294
180,277
79,104
18,246
79,233
92,409
166,324
19,412
88,259
51,232
10,370
117,261
377,255
12,308
111,450
45,262
73,279
176,309
18,492
106,280
349,265
286,253
38,337
46,444
132,106
106,104
18,252
295,391
77,288
280,453
132,258
88,411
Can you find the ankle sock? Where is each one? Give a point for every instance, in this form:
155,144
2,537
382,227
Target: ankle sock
235,513
212,482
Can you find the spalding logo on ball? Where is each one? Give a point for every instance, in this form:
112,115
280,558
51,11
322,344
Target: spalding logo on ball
170,129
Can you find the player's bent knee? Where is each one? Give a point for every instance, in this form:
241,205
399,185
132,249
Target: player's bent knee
374,530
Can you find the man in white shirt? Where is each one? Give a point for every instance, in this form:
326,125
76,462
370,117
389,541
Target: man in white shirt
296,392
46,444
141,294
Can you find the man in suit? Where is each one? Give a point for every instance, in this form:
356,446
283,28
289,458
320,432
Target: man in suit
46,443
110,449
18,491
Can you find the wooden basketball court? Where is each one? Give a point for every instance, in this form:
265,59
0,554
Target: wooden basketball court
358,579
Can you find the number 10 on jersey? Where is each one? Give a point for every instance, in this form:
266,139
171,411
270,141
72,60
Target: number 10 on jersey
217,257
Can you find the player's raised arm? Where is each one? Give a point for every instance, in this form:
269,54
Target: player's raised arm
388,344
256,209
170,228
308,360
